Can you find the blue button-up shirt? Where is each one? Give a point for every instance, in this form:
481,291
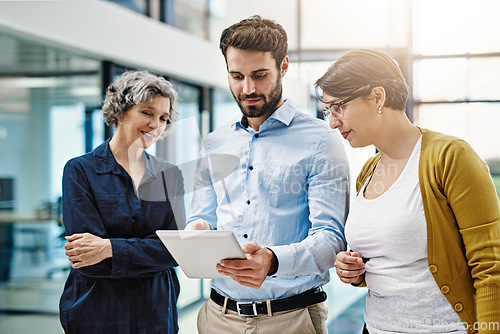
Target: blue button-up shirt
287,189
136,290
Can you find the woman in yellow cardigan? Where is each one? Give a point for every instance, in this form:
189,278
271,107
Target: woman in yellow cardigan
424,228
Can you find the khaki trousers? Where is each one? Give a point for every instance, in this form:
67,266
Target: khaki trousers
213,319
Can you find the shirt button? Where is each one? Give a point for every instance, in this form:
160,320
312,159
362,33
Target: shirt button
445,289
251,167
248,202
245,235
256,135
458,307
433,268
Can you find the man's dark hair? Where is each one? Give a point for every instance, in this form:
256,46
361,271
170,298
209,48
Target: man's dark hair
257,34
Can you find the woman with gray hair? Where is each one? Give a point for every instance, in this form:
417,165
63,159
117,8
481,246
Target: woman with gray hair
114,199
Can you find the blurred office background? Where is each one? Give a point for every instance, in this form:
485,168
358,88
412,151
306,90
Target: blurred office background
57,57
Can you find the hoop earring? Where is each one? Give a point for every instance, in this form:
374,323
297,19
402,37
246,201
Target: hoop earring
379,110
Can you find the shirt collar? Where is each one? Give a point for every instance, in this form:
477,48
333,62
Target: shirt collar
105,161
284,114
150,165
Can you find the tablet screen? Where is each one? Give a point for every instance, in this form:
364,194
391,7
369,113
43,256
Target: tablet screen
198,252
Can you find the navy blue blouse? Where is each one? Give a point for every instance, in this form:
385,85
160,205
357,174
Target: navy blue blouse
136,290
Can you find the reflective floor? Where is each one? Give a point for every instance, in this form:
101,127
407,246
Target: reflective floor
29,298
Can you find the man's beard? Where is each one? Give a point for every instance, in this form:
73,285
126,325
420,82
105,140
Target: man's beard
270,101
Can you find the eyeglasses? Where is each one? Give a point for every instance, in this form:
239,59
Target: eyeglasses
335,109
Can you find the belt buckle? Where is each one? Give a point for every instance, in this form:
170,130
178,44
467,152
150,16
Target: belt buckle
254,308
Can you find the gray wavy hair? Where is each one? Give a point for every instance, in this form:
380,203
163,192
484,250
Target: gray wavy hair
133,88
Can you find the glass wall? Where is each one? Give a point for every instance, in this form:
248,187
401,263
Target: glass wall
456,86
225,108
139,6
47,98
43,98
191,16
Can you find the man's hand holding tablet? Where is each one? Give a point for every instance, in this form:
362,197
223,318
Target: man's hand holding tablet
260,262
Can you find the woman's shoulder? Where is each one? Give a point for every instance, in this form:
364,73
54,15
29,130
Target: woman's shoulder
92,159
437,143
437,136
84,160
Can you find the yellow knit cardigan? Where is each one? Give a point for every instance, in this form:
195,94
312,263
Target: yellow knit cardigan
463,227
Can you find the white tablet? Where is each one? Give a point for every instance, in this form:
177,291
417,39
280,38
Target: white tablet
198,252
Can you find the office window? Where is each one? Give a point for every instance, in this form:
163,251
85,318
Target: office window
225,108
191,16
483,78
456,71
440,79
477,123
454,79
455,27
42,118
139,6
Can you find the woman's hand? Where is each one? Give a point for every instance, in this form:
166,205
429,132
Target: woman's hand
350,267
85,249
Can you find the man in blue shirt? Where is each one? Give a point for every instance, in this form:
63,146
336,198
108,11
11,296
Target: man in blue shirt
286,202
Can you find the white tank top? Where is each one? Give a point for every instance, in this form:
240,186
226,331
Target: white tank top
391,232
